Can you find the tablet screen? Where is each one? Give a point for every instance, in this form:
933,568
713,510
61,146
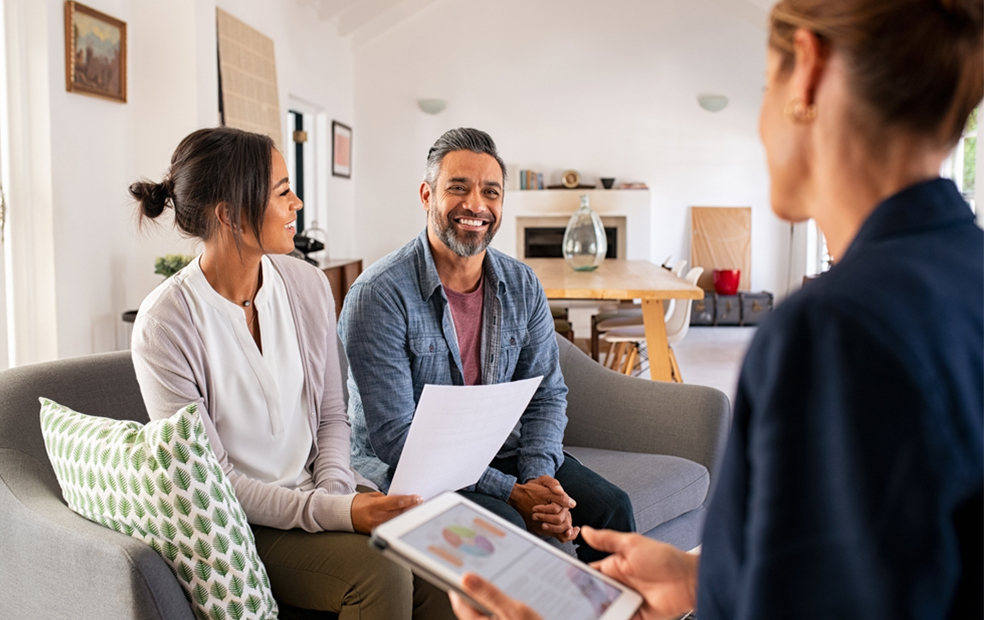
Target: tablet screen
465,541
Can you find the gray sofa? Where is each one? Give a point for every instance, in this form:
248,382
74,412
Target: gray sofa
660,442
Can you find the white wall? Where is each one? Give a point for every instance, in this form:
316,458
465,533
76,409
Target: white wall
606,88
103,265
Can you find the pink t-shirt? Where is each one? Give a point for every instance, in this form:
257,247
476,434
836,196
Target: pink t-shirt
466,311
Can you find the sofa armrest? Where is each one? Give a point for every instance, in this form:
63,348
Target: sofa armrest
613,411
57,564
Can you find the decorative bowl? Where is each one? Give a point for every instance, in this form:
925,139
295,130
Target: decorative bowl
726,281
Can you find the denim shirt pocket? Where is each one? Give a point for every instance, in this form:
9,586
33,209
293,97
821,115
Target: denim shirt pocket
430,360
513,341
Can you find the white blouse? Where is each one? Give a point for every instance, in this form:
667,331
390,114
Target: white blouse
258,397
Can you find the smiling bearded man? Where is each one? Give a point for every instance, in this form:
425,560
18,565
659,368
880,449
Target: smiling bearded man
446,309
465,239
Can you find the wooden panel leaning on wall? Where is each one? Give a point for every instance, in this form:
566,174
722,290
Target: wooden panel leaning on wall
721,238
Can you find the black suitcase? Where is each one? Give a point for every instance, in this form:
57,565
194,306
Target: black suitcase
755,307
728,310
702,312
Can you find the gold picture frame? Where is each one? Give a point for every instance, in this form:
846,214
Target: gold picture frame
95,52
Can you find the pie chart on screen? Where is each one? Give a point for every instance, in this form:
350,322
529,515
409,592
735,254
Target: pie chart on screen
467,541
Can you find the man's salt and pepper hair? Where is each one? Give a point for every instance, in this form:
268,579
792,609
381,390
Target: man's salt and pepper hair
461,139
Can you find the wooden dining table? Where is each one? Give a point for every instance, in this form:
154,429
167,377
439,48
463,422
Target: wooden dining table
619,280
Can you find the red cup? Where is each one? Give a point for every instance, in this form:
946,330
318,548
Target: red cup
726,281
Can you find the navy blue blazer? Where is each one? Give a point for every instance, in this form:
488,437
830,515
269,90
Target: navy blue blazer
853,482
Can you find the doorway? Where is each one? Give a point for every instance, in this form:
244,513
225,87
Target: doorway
296,155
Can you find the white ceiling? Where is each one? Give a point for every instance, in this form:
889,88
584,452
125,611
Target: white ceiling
364,20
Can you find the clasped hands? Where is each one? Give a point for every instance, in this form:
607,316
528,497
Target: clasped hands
545,507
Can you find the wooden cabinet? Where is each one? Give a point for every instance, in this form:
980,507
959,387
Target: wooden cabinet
341,273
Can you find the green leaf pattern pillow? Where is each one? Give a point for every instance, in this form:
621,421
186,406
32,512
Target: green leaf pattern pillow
162,484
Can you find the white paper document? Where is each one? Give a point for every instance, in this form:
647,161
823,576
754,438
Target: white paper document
456,432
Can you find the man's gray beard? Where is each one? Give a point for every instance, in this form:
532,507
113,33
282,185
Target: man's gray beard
463,248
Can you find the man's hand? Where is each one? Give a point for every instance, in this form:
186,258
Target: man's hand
491,598
665,576
545,507
371,509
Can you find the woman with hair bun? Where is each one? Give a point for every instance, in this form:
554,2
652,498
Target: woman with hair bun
852,485
248,334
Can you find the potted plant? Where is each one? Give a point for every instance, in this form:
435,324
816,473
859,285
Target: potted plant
170,264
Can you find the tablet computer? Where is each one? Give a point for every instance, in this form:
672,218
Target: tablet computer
448,536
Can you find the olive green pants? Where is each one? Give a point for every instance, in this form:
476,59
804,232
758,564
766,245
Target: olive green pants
338,572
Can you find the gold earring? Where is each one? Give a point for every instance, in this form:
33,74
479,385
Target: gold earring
798,112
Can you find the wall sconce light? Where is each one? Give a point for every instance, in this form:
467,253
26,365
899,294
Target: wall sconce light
712,103
432,106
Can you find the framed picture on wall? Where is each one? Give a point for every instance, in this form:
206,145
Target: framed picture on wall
95,53
341,150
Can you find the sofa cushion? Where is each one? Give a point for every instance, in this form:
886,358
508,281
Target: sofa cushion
661,487
161,483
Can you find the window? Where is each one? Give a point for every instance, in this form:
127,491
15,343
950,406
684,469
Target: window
961,165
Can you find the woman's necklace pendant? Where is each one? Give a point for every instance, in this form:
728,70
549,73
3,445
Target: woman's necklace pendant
246,304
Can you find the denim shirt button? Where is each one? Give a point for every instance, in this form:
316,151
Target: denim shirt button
512,341
432,348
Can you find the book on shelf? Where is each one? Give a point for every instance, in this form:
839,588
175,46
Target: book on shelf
530,179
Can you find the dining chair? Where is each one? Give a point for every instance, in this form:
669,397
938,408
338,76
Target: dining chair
625,340
606,321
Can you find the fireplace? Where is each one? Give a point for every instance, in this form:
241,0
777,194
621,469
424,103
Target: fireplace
625,215
543,237
547,242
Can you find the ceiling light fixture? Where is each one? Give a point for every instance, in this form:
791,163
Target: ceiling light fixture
432,106
712,103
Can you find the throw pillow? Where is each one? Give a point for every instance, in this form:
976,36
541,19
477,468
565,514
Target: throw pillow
162,484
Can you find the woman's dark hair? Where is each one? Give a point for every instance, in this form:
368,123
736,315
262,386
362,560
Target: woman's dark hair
219,164
914,64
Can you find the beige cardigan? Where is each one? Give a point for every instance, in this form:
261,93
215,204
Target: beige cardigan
173,370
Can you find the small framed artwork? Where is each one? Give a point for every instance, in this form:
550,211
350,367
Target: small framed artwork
341,150
95,52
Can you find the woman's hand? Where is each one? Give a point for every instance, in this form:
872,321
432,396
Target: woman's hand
665,576
371,509
489,597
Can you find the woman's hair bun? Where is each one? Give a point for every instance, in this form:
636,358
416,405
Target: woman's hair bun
152,197
969,10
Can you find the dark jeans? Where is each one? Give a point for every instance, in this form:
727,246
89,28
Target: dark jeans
600,504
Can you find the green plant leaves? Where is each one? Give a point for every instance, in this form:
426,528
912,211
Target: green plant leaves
237,586
202,570
164,457
236,610
164,484
218,590
203,548
182,478
222,543
200,499
200,594
183,505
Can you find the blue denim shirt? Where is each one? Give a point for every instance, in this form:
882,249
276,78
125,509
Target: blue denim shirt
399,336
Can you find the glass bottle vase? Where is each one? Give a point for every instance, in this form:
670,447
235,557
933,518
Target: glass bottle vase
585,243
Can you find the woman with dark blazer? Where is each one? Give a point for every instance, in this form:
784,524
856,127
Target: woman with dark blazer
852,483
